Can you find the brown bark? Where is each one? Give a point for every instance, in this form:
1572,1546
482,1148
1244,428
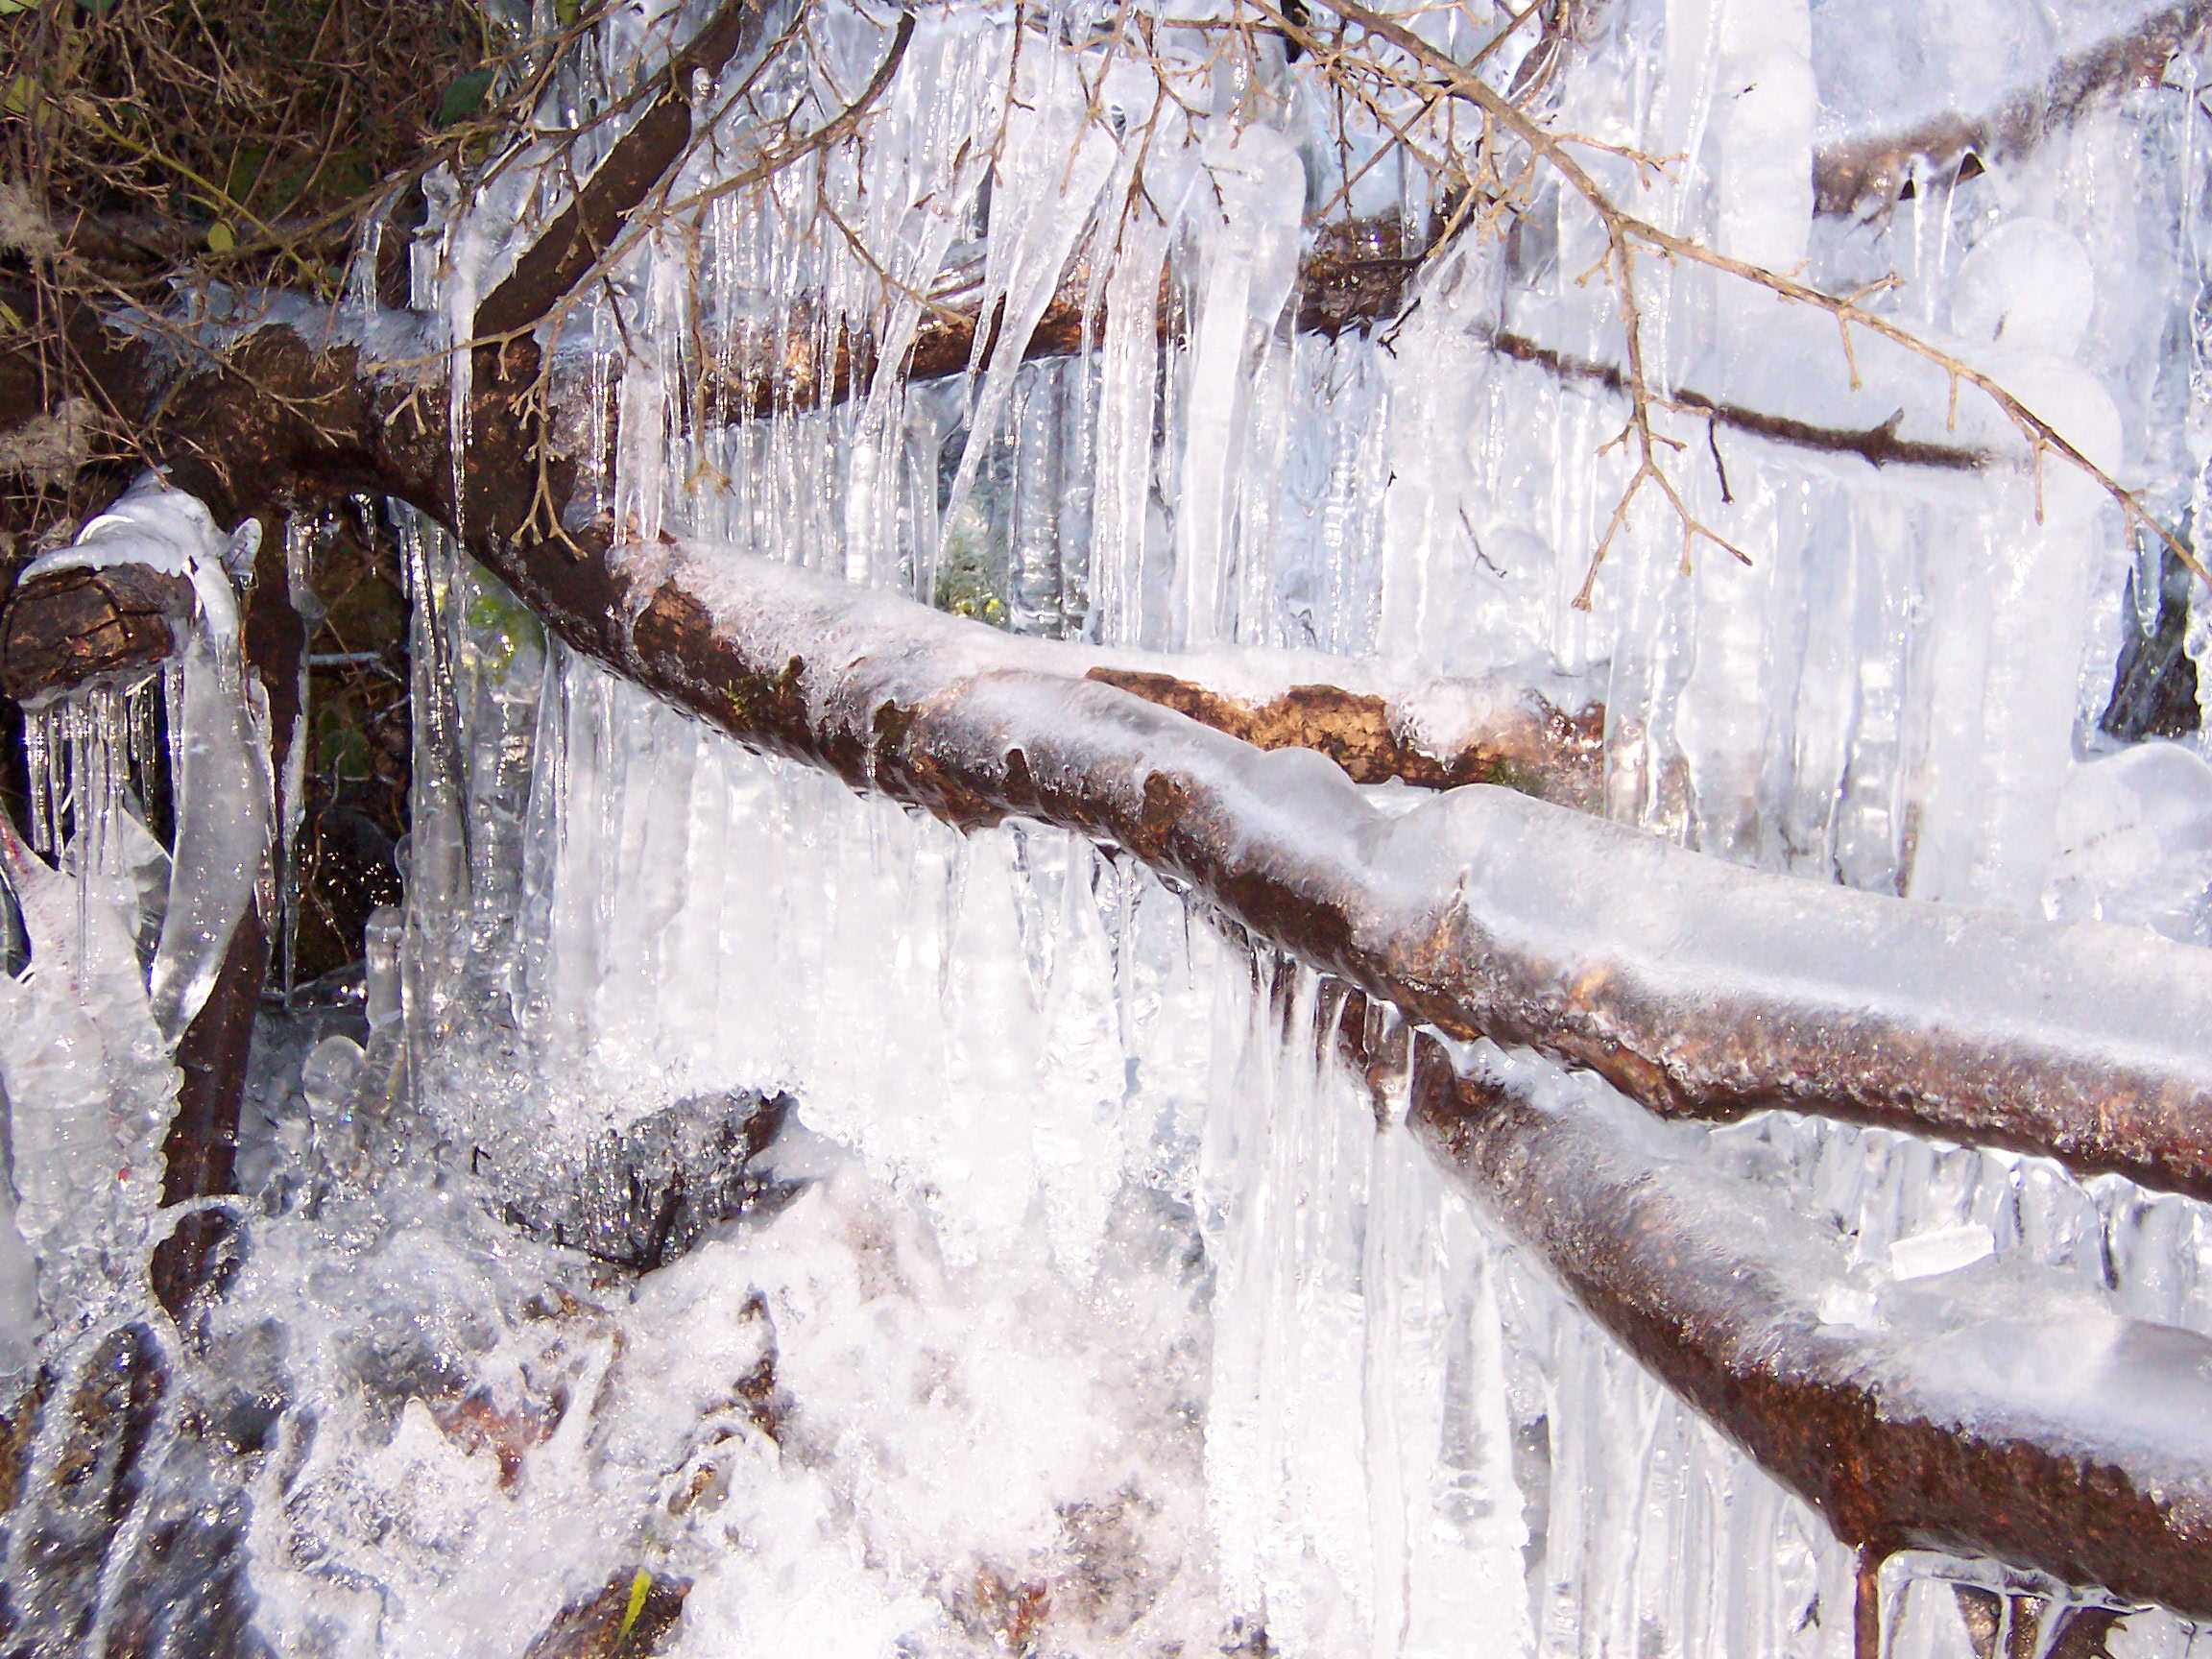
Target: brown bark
83,625
1535,747
595,216
2017,1626
1717,1284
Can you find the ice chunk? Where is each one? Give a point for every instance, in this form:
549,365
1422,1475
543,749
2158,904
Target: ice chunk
1940,1250
2136,842
2029,284
88,1084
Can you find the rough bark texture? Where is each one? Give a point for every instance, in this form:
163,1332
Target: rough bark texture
1703,1279
1536,749
79,626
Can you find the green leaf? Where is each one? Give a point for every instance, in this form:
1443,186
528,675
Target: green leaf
565,11
22,93
639,1587
220,238
465,97
9,8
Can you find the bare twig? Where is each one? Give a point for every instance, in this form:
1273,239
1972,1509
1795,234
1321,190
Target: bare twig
1625,233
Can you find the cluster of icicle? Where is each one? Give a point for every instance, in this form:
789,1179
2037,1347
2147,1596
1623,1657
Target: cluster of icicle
113,938
1404,1440
1889,695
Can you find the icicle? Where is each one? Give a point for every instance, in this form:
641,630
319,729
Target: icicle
1051,168
1249,264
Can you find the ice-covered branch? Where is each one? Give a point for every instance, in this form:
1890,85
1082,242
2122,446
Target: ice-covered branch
1864,175
1358,273
1525,743
1700,988
78,626
595,217
1989,1413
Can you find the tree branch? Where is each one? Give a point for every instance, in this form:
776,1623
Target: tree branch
1862,176
1529,744
2059,1438
1876,445
1358,273
567,247
78,626
1700,988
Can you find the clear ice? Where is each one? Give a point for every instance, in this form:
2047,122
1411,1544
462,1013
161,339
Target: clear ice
1092,1304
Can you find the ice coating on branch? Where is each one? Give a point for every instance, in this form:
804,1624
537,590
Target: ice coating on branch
1479,910
1651,1229
217,733
124,941
167,530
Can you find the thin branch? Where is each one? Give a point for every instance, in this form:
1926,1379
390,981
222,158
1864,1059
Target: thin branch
1625,233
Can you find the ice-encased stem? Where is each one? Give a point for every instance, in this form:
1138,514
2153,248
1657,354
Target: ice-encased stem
1698,988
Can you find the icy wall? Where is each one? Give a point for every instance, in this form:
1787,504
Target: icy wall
1106,1310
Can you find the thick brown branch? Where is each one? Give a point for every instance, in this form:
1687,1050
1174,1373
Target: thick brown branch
2057,1439
1698,988
78,626
1865,175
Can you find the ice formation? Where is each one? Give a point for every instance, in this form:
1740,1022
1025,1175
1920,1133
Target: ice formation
1091,1302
